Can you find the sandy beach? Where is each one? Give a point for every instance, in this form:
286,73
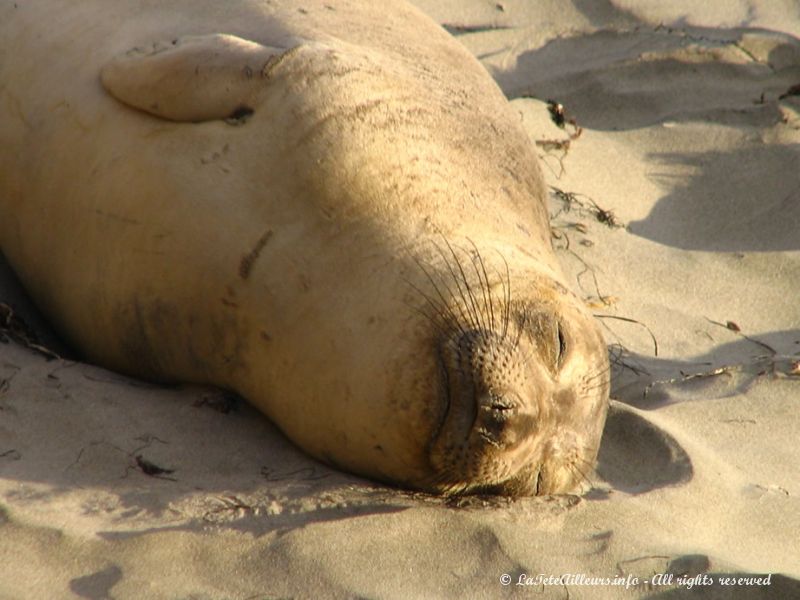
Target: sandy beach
675,203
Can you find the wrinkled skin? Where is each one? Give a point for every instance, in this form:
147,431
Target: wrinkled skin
333,212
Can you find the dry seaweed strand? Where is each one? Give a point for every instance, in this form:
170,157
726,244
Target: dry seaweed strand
573,199
732,326
724,370
301,474
152,469
559,232
559,116
773,358
558,113
617,353
146,466
629,320
604,300
587,269
5,382
222,401
15,328
793,367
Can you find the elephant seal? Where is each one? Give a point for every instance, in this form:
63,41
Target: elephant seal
328,207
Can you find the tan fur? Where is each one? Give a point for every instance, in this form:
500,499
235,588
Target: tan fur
261,197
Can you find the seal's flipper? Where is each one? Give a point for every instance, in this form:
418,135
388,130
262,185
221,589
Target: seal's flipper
197,78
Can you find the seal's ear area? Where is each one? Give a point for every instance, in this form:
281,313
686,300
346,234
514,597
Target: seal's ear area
197,78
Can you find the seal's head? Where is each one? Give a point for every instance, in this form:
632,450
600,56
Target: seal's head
524,387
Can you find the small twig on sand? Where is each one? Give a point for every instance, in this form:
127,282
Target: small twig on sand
731,326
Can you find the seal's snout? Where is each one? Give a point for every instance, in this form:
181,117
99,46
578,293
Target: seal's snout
493,407
523,383
522,414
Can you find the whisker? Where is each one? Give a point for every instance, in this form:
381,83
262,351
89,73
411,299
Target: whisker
442,323
586,450
593,387
599,373
485,286
444,305
506,296
463,305
467,287
520,327
584,477
594,383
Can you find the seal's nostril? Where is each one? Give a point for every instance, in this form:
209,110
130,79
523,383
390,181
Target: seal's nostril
500,405
497,414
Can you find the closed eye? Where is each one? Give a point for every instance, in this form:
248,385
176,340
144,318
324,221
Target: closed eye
562,345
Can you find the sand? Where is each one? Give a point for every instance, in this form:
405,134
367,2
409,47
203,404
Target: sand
676,206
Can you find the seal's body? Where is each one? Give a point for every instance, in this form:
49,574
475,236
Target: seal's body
331,210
